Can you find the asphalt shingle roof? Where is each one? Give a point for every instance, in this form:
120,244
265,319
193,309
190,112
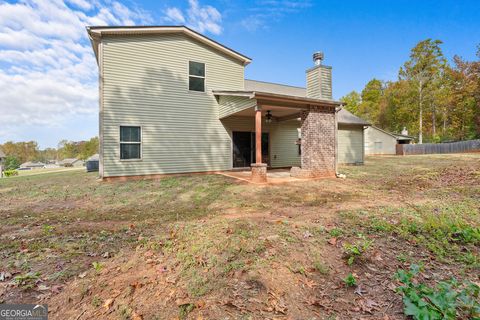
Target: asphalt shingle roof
344,116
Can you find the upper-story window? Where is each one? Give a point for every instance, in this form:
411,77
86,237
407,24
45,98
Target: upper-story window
196,76
130,143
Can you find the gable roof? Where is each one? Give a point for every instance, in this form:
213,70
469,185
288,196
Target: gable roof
69,161
395,135
32,164
346,117
262,86
96,32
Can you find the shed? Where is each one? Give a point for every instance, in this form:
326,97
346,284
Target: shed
350,138
72,162
380,142
92,163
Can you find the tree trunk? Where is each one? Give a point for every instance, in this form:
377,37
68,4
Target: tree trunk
434,122
420,120
444,128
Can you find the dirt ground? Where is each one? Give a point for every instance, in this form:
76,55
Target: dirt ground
212,247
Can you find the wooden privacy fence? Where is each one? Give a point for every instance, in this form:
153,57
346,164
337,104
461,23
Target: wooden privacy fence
431,148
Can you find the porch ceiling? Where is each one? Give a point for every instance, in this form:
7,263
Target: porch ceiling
277,112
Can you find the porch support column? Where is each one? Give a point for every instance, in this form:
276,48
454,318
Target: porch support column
258,135
259,169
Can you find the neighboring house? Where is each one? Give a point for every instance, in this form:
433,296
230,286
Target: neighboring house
351,138
174,101
72,162
32,165
378,141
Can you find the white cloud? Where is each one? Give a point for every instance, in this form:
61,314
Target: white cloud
175,15
266,11
200,18
48,73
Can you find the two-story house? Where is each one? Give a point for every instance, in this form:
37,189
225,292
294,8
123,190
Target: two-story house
175,101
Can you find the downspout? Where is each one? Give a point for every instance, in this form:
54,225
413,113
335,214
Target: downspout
337,109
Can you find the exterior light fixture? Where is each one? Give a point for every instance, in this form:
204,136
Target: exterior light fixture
268,117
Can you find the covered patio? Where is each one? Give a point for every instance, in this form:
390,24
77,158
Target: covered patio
316,143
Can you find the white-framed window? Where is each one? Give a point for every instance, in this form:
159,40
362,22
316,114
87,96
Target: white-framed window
130,143
196,76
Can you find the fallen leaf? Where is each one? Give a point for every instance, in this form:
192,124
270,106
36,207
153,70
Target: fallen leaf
333,241
42,287
307,234
108,303
359,290
5,275
136,316
56,289
82,275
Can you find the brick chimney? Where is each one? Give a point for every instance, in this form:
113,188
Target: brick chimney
319,79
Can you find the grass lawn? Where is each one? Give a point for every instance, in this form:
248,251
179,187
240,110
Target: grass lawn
210,247
33,172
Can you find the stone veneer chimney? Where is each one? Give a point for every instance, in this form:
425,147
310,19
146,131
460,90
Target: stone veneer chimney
319,79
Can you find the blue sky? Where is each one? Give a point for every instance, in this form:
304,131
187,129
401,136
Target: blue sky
49,78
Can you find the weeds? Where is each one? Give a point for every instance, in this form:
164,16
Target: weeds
447,300
356,249
298,268
27,281
350,280
321,267
184,310
336,232
97,266
96,302
48,229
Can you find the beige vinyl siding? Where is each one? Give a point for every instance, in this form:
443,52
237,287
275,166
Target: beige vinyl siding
229,105
145,83
313,84
379,142
326,82
319,82
350,144
283,150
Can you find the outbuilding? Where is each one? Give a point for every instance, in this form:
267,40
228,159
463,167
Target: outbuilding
381,142
350,138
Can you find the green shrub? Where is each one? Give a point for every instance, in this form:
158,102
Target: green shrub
11,163
10,173
448,300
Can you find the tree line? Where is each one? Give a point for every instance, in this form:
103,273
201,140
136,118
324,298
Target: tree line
20,152
435,100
